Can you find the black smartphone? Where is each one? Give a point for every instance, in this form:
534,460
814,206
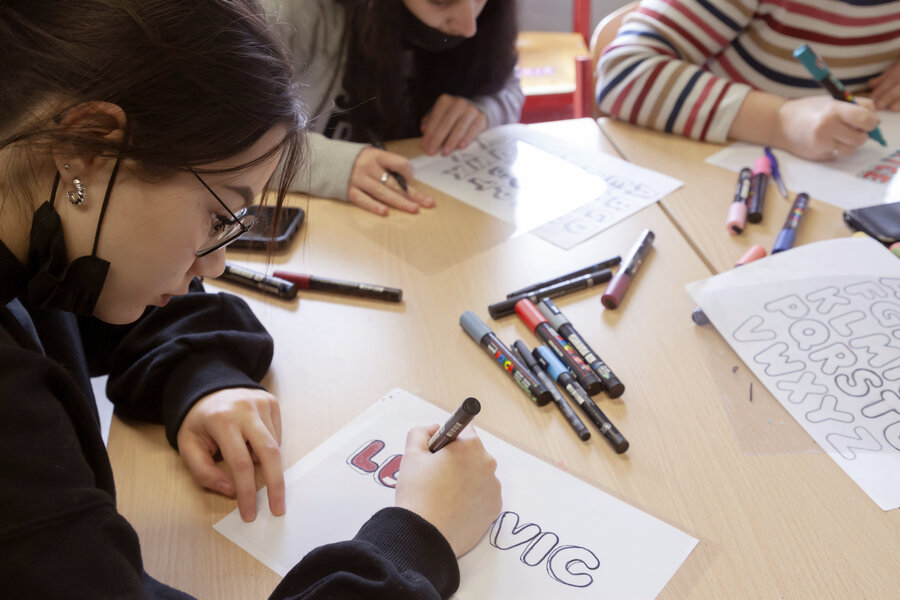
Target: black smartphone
881,221
262,237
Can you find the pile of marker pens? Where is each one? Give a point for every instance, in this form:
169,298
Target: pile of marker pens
564,357
750,199
747,205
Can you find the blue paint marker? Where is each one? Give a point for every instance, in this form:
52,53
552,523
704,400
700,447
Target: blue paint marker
552,365
788,233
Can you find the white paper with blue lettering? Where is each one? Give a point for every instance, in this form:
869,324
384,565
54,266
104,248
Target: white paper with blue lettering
557,536
819,325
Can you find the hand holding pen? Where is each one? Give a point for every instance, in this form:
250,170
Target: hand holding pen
378,182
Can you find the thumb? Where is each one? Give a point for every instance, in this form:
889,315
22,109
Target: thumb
417,438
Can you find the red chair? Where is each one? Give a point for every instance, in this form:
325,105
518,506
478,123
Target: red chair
555,70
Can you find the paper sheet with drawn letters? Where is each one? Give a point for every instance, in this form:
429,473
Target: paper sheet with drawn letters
557,537
819,325
866,177
539,183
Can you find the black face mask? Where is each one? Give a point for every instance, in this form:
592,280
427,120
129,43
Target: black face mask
73,287
421,36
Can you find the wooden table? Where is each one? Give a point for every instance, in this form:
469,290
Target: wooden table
774,515
700,207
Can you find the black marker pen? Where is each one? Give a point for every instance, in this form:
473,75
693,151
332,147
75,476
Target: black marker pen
260,281
590,279
457,421
556,369
574,422
558,321
758,186
610,262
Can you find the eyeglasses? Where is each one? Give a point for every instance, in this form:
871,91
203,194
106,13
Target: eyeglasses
225,229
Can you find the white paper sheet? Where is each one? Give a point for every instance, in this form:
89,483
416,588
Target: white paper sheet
866,177
104,406
564,194
557,536
819,325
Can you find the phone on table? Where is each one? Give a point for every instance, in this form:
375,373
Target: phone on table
881,221
261,237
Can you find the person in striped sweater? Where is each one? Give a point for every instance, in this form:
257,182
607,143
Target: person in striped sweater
718,70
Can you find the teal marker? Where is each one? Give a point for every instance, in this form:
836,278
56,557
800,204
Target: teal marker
824,77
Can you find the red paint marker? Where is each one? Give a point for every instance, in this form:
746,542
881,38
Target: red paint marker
616,289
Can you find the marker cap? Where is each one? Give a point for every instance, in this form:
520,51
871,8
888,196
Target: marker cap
554,318
616,289
699,317
529,313
471,406
475,327
554,366
737,218
754,253
762,165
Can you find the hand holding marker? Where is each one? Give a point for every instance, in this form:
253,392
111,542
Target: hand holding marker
824,77
456,423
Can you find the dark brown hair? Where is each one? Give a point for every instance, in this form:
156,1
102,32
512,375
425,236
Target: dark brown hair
199,80
379,100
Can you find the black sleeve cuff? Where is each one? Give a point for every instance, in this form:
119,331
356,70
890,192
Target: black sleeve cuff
413,544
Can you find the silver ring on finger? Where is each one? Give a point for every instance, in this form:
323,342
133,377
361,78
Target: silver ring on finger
385,177
835,151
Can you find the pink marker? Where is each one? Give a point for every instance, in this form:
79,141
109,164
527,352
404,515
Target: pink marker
616,288
737,214
757,201
754,253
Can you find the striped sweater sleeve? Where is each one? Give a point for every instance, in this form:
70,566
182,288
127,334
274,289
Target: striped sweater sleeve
652,74
685,66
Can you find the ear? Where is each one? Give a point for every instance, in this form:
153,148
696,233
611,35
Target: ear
102,120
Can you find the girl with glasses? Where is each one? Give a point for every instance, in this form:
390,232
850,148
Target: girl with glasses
133,133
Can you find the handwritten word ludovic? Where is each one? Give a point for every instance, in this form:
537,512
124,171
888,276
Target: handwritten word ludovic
566,564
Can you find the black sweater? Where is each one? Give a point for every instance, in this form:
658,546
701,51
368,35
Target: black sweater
60,533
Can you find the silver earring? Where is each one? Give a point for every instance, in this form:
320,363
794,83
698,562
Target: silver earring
78,196
66,166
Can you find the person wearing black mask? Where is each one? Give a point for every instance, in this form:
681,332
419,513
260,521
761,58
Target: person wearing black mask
378,70
133,136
